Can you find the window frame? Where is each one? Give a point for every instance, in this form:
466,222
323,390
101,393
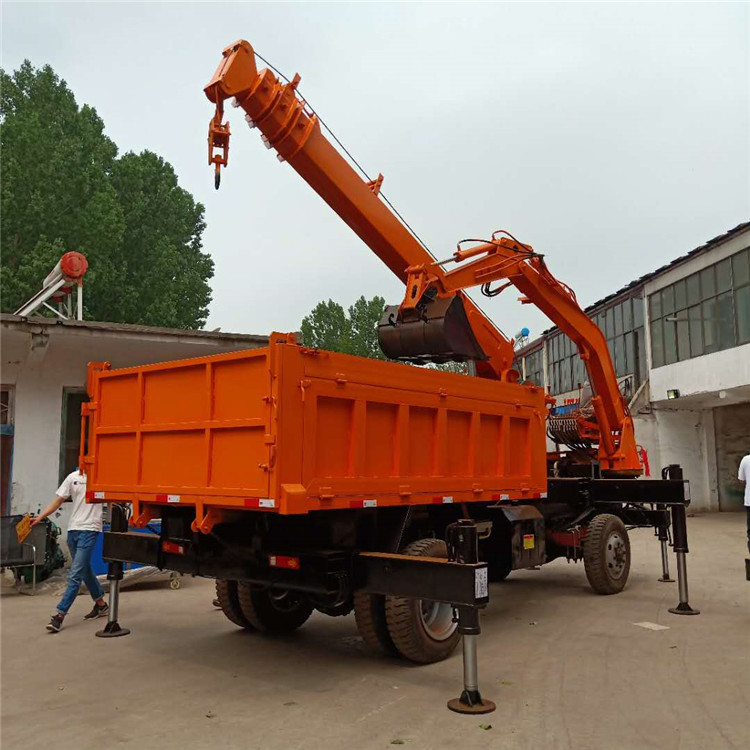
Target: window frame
67,391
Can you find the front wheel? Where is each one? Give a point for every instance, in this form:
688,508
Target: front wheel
422,631
606,554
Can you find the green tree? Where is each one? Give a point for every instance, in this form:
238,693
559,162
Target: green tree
63,188
329,327
364,316
162,270
459,368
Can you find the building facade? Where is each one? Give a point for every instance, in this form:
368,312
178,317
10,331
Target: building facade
44,364
680,342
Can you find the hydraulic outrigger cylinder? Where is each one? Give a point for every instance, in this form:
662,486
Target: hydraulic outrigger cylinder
463,546
118,523
679,532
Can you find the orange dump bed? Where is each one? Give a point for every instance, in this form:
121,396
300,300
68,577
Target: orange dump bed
291,430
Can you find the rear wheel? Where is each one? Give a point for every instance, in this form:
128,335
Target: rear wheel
273,610
422,631
498,570
606,554
369,614
228,601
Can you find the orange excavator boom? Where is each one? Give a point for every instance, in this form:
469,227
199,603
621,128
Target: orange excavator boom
287,125
437,321
506,259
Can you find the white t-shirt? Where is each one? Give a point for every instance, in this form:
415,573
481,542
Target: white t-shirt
744,475
85,516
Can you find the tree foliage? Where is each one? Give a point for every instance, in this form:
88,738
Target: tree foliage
364,316
330,327
64,188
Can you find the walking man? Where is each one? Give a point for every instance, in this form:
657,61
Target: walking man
744,476
83,530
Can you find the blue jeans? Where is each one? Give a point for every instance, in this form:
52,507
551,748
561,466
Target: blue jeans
81,545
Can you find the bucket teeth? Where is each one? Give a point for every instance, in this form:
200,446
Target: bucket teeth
440,332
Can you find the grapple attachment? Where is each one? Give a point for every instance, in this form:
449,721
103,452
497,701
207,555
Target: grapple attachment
438,330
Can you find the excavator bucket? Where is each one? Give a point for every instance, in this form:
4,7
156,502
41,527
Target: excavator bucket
439,332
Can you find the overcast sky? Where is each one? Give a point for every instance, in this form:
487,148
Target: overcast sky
611,137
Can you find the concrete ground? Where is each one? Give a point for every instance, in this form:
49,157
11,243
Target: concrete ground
567,668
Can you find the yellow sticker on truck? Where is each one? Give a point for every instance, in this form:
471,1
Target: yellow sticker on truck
528,541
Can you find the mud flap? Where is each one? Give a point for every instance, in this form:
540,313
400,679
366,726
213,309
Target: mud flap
528,547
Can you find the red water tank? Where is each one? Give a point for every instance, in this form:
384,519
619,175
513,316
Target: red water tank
73,265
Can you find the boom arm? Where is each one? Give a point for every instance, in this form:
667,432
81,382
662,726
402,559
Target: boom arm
518,264
286,125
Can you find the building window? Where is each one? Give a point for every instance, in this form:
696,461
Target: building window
622,325
704,313
70,432
6,447
533,364
741,284
6,406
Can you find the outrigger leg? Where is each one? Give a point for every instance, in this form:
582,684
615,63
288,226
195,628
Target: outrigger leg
463,547
112,629
679,533
663,541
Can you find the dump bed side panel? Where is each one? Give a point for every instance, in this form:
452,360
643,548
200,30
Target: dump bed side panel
182,431
379,433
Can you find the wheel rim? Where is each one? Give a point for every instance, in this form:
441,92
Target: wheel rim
283,601
437,619
616,554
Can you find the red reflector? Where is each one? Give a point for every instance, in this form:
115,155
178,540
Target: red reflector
167,498
89,495
175,549
259,502
363,503
282,561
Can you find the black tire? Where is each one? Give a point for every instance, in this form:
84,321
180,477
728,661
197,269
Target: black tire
606,554
408,619
339,610
498,571
369,614
497,550
273,610
226,595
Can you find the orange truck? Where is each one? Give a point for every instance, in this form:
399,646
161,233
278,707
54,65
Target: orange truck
306,480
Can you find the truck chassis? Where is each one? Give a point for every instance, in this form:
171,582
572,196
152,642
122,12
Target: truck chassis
272,571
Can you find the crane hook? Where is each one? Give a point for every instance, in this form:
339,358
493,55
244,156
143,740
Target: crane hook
218,143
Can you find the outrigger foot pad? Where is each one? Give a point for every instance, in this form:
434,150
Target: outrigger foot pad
112,630
683,608
665,580
471,702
